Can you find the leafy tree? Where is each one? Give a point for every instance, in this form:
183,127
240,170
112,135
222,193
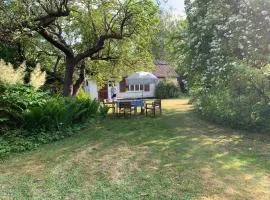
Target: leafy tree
118,32
171,43
163,42
228,59
221,32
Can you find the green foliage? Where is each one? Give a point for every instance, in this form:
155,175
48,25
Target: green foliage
103,110
59,113
243,103
82,94
166,90
169,43
222,32
10,53
15,99
126,27
16,141
23,105
221,36
161,45
42,118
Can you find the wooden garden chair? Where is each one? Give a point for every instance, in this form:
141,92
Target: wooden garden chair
110,105
125,108
153,107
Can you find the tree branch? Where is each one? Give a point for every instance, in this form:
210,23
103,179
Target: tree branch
55,75
61,11
107,58
100,45
56,63
49,37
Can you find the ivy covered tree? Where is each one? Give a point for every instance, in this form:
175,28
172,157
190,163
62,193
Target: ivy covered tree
118,32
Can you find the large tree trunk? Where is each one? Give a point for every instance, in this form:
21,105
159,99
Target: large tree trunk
77,86
68,82
80,80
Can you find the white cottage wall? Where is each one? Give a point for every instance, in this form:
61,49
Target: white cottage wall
91,89
138,94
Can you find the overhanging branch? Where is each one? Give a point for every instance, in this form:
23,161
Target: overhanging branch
49,37
99,46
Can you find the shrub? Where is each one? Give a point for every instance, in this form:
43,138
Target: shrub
17,76
20,140
59,113
241,103
15,99
166,89
103,110
9,75
43,118
37,77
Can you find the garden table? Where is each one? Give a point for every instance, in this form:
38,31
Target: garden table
135,103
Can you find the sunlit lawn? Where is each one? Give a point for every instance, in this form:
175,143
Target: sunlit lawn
175,156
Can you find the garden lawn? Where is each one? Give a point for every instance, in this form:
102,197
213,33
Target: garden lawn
175,156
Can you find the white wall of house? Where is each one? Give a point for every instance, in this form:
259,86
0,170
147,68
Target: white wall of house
138,94
92,89
133,94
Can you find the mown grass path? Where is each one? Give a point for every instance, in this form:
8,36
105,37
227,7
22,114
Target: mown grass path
175,156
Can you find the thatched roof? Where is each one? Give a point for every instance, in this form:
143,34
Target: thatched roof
163,70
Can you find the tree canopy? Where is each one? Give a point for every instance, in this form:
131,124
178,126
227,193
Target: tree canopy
78,33
221,33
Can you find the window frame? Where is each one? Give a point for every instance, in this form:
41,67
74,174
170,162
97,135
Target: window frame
132,88
146,88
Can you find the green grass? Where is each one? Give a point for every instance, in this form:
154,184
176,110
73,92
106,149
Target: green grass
175,156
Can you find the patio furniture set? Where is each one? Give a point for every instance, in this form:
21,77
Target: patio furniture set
128,106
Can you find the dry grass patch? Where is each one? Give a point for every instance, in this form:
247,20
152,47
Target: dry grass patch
175,156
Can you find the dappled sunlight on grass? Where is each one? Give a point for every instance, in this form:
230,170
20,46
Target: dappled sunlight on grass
173,156
177,104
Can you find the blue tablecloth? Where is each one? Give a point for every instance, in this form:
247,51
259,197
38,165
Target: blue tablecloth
134,102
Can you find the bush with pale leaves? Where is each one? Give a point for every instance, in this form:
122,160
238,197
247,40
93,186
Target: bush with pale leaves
10,75
37,77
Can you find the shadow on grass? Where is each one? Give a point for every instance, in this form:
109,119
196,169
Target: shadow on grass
171,156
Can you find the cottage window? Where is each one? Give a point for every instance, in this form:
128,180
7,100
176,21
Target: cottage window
139,87
146,87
